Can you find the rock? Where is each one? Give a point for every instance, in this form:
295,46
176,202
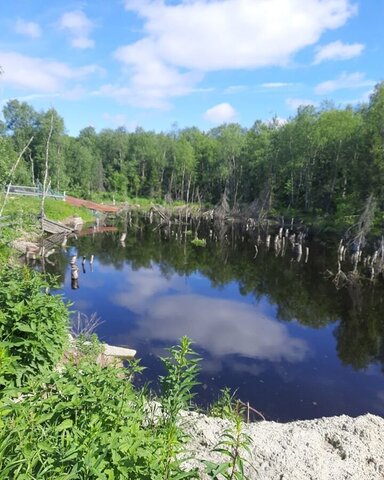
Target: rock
74,222
29,248
118,352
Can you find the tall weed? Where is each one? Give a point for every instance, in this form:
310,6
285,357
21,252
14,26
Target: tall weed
182,367
232,445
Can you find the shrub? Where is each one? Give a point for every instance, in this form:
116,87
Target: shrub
88,422
34,325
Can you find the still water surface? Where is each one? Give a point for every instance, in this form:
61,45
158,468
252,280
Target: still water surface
275,330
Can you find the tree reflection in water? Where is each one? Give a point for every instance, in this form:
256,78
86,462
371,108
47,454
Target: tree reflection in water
266,323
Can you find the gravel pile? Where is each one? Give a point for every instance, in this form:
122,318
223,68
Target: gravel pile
331,448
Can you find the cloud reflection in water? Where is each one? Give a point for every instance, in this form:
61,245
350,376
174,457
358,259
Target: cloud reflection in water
219,326
144,285
222,327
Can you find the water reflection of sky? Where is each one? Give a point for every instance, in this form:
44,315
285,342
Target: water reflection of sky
283,368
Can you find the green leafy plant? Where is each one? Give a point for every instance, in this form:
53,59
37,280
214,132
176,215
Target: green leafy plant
85,422
88,346
225,406
182,367
8,365
199,242
89,422
33,324
232,445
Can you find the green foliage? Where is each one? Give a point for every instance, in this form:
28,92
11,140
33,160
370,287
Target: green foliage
225,406
88,346
7,234
312,163
182,367
7,158
233,442
33,323
232,445
8,365
88,422
199,242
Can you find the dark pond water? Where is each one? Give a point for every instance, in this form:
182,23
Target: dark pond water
273,329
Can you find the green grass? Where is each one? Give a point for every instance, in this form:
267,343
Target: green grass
54,209
23,212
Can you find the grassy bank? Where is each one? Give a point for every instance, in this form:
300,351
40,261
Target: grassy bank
20,218
22,207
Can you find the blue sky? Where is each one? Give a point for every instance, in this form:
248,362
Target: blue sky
156,63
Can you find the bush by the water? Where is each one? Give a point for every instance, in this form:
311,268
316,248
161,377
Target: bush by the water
83,420
34,325
88,422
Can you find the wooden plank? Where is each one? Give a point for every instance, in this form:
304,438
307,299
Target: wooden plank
50,226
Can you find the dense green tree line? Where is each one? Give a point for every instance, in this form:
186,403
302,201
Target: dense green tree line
324,160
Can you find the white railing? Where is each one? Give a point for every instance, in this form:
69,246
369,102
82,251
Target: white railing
34,192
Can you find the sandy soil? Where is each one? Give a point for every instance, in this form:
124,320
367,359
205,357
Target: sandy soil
332,448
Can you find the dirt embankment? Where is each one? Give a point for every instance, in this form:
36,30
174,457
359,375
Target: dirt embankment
98,207
334,448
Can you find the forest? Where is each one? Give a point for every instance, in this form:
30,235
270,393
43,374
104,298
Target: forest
323,161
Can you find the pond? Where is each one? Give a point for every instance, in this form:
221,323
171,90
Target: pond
273,329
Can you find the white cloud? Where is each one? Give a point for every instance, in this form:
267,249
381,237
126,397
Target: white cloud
39,74
363,98
183,41
295,103
222,113
214,35
152,86
152,81
79,27
29,29
276,85
338,51
344,81
82,42
235,89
